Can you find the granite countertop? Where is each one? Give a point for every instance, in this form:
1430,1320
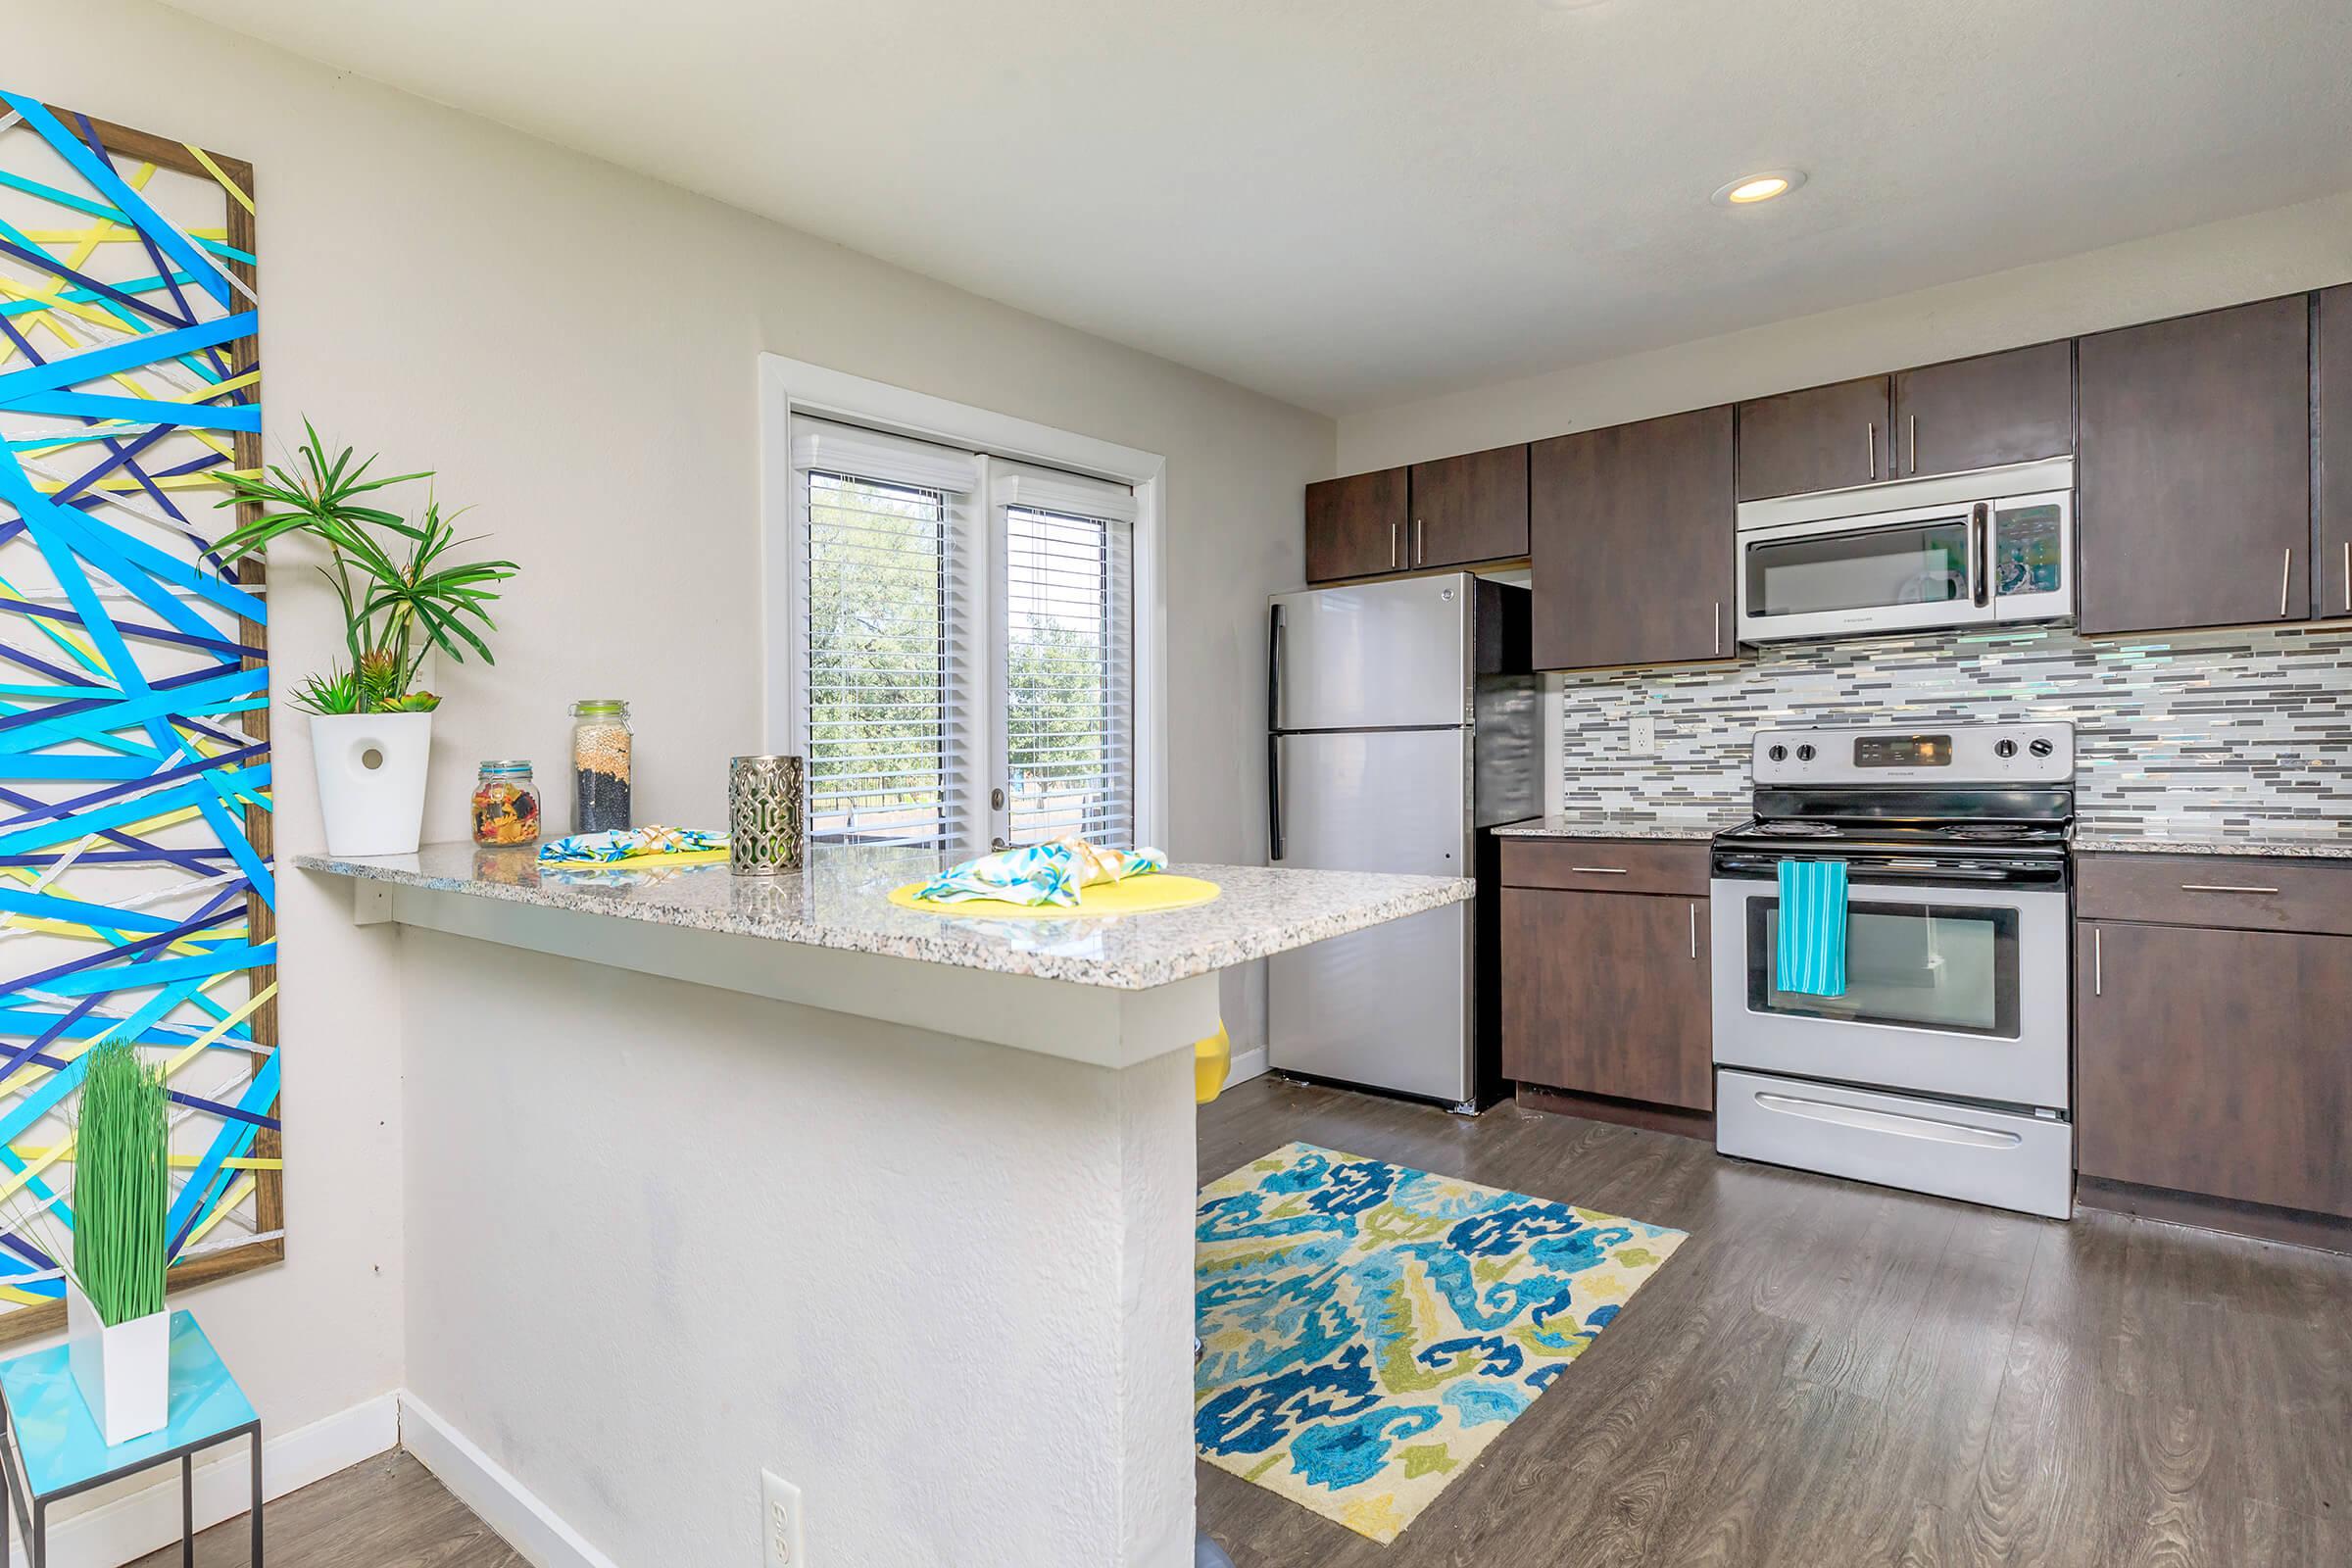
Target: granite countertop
2328,841
1664,825
839,900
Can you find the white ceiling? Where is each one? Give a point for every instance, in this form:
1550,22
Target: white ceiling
1354,203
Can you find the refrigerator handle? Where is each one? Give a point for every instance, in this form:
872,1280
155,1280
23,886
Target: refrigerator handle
1274,667
1273,797
1273,732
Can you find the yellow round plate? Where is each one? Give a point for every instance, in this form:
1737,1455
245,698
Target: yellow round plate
1135,894
642,862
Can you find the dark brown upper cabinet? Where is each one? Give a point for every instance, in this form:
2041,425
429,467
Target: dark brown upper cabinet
1355,526
2332,411
1823,438
2013,406
1469,509
2195,471
1630,531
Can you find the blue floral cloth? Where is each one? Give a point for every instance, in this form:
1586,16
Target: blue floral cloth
1040,873
632,843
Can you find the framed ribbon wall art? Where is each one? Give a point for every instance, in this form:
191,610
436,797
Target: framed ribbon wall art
136,884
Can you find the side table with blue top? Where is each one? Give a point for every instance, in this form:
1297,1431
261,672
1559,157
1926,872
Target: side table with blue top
51,1450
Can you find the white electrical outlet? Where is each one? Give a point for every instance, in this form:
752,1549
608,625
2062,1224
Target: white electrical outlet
1641,735
780,1522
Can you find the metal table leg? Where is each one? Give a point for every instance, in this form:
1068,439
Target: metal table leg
257,1497
187,1511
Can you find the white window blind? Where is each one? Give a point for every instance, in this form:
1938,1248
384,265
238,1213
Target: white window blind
888,733
1068,656
967,671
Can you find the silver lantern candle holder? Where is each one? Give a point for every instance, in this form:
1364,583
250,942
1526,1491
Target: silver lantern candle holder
766,824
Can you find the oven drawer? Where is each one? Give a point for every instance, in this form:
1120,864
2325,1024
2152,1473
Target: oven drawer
1924,1146
2230,892
1607,865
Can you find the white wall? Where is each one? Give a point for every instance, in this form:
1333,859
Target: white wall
2266,254
575,349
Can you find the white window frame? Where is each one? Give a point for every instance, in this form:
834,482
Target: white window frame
791,387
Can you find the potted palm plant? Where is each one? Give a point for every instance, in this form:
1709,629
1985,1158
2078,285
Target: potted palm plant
403,599
119,1335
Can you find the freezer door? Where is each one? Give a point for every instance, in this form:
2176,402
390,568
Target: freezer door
1383,656
1388,1008
1374,800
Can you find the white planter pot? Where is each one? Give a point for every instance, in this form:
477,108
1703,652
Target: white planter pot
371,780
124,1373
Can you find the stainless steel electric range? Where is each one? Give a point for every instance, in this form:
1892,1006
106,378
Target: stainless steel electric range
1943,1068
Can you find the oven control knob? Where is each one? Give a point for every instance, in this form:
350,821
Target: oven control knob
1805,754
2041,748
1779,754
2006,748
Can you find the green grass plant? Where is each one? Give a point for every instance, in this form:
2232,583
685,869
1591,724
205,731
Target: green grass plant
121,1190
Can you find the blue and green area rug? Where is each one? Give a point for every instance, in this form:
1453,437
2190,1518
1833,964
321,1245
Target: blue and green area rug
1368,1329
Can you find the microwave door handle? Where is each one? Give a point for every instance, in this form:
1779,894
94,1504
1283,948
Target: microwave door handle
1980,553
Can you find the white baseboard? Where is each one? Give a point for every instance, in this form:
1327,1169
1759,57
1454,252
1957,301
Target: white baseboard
1246,1064
481,1483
132,1525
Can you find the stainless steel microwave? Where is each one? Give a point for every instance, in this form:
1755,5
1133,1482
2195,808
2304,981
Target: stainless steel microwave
1992,547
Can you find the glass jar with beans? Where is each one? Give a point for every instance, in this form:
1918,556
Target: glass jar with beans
600,764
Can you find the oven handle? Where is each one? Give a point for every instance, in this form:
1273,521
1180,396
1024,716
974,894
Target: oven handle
1762,870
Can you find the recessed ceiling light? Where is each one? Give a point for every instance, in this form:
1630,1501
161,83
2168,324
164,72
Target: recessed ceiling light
1763,186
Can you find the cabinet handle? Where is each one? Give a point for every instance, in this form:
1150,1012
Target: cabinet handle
1420,542
1395,561
1600,870
1870,439
2098,962
2348,576
1912,420
2286,570
1694,928
2221,887
1719,618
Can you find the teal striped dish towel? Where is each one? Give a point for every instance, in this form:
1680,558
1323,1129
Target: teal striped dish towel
1811,960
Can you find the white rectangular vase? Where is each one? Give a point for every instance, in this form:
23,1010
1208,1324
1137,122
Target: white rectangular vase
371,780
124,1373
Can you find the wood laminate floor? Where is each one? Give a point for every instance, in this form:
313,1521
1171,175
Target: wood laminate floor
1829,1375
384,1512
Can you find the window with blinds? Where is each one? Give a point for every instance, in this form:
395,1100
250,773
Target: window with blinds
1068,678
877,660
962,645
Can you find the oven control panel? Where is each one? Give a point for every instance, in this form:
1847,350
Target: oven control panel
1949,754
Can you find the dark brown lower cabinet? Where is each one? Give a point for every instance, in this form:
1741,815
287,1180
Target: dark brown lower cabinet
1607,994
2215,1062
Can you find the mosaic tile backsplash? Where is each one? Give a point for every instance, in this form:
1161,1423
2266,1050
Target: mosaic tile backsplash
2220,732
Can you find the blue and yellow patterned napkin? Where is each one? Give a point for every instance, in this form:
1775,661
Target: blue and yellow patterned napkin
631,843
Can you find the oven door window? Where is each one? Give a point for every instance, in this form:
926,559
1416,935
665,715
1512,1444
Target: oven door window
1870,568
1947,968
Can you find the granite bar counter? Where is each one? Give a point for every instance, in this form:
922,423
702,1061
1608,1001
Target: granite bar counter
1692,826
921,1183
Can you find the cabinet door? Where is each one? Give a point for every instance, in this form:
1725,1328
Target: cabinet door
2332,413
1355,526
1977,413
2195,470
1607,994
1468,508
2215,1062
1823,438
1630,535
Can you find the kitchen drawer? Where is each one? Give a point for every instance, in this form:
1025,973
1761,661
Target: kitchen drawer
1928,1146
2225,892
1607,866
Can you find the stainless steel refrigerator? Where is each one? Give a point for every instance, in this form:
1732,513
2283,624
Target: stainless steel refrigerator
1403,723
